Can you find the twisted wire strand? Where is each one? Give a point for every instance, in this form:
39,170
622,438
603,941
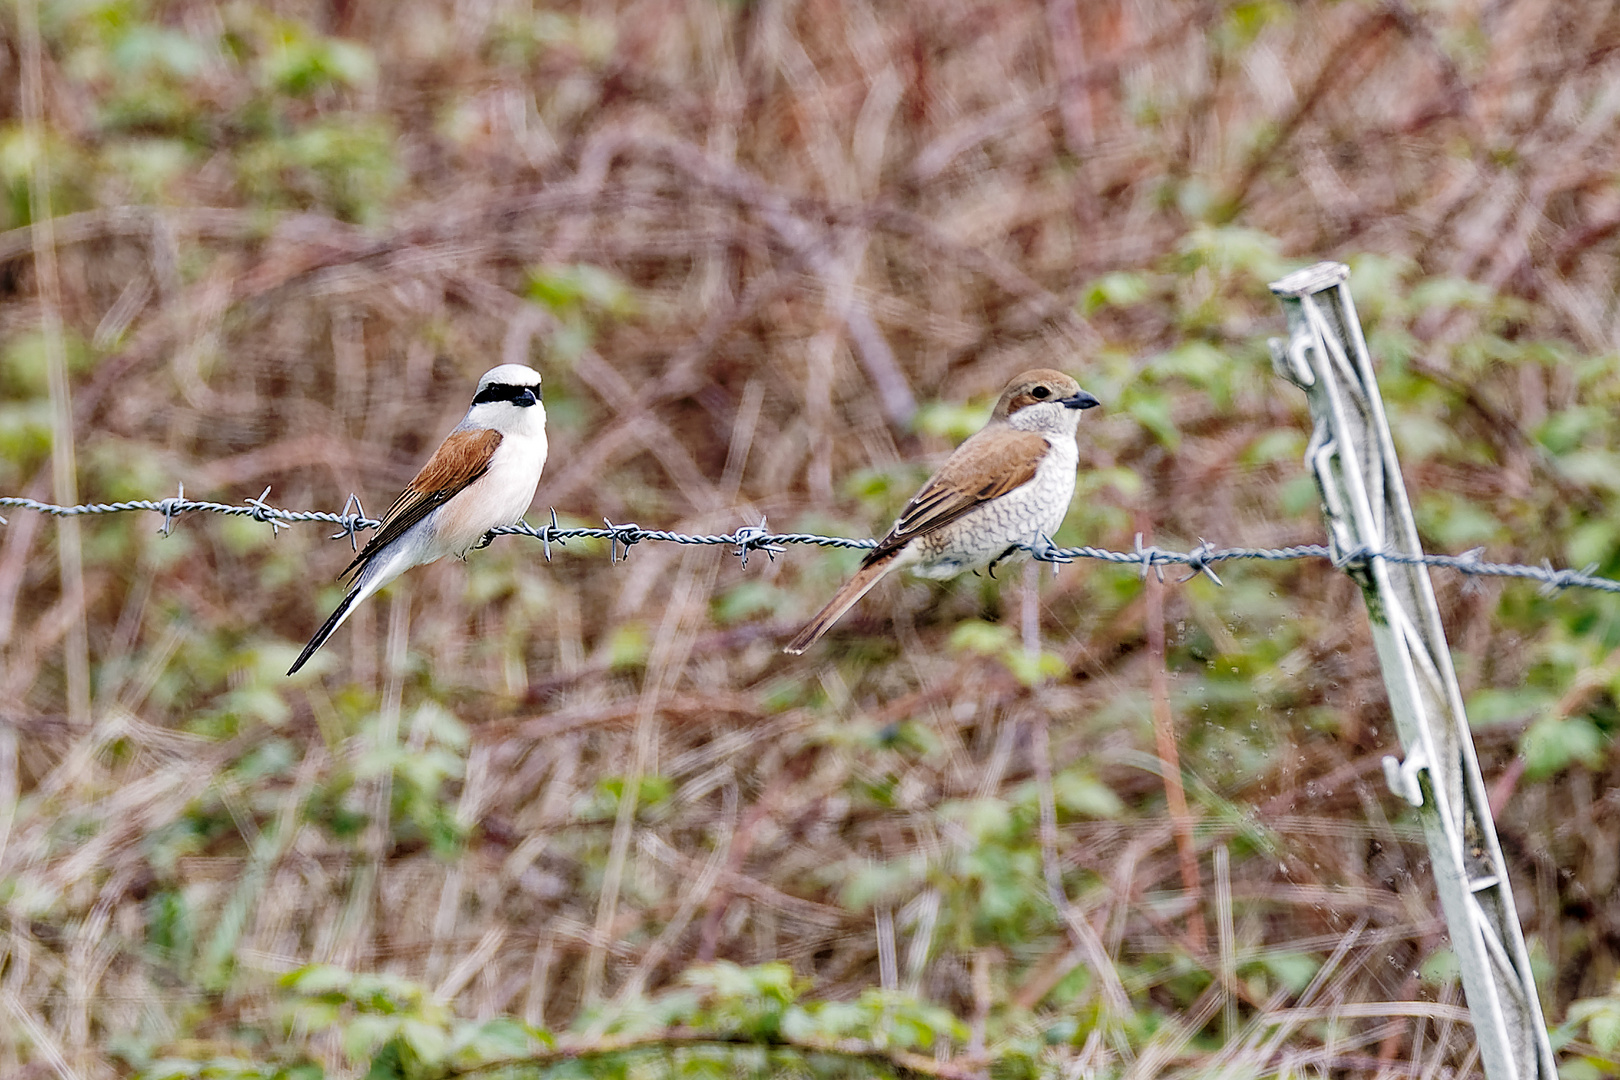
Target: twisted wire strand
756,538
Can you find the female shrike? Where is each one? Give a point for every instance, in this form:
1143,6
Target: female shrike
1008,486
482,475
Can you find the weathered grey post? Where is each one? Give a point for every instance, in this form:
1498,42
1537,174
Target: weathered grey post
1364,503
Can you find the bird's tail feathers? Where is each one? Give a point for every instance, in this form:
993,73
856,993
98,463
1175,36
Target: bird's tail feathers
855,588
326,631
367,581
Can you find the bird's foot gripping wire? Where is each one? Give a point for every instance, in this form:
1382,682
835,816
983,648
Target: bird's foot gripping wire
995,562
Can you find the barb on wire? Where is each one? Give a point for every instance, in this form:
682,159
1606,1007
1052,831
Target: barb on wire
172,508
751,538
754,538
351,524
1198,562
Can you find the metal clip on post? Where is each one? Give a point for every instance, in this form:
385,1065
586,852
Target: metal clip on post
1365,505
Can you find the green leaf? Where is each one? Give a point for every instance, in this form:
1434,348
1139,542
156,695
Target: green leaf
1441,967
301,63
1085,795
1121,288
1593,542
317,979
1454,522
364,1034
430,1042
1199,362
1274,447
867,883
981,638
1583,1069
1553,743
1604,1030
148,49
628,647
1491,706
387,1065
1449,292
1036,669
747,600
772,981
950,419
1245,21
577,288
1247,253
983,819
441,725
1153,410
500,1037
1598,469
1293,970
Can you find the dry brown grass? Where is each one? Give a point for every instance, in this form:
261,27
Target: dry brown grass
826,213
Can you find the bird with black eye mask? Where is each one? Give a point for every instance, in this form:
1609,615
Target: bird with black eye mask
482,475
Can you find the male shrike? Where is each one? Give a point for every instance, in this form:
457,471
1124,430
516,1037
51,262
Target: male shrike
482,475
1008,485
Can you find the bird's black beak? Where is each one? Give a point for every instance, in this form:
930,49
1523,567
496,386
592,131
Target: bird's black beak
526,398
1082,400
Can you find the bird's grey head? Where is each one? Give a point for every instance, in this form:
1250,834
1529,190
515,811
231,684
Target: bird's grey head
508,399
1043,400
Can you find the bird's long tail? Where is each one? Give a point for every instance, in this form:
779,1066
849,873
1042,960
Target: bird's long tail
371,578
855,588
326,630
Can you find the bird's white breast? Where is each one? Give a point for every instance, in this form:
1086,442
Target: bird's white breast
499,497
1022,516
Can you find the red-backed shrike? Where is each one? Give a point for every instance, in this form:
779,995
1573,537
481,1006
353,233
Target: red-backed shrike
482,475
1006,487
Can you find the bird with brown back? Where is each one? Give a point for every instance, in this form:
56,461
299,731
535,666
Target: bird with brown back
1004,489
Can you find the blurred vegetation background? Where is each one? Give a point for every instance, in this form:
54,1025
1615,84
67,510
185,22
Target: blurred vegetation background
774,258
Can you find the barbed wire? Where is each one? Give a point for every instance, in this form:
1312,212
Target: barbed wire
748,539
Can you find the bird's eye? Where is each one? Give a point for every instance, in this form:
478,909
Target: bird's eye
1041,393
